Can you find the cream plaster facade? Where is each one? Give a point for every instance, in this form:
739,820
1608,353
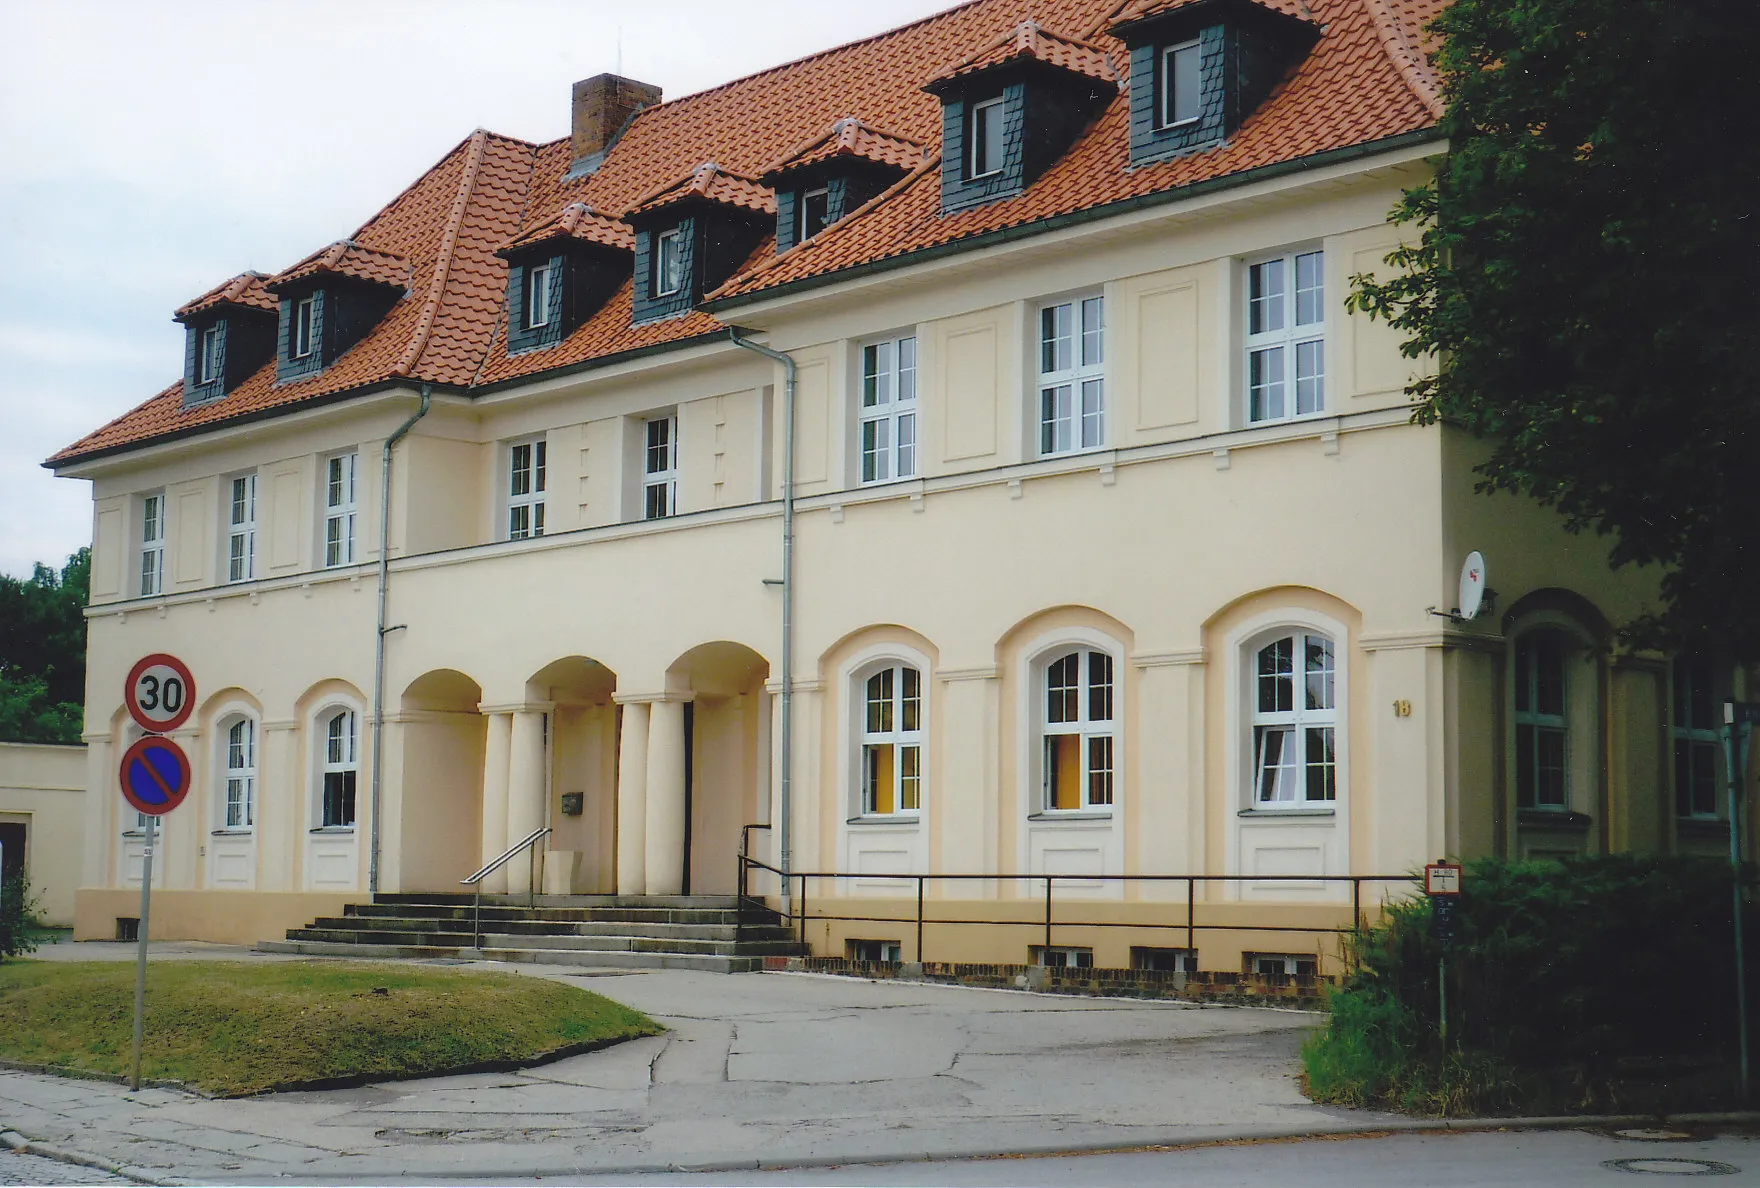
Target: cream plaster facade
42,813
524,674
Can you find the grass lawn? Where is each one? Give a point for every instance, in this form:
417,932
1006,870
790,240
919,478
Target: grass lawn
233,1028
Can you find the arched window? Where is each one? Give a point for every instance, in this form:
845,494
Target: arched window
1542,722
340,768
240,798
1295,722
892,742
1077,727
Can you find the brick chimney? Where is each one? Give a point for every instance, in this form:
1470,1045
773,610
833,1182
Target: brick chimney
603,105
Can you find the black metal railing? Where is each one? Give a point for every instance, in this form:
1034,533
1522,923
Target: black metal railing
795,911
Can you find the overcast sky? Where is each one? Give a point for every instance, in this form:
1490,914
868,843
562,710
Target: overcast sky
149,150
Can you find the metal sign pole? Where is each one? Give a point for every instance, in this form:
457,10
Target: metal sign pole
1735,755
140,965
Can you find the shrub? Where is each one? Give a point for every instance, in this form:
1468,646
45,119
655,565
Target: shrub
18,907
1564,980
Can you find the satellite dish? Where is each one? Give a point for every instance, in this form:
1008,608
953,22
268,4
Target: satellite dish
1472,593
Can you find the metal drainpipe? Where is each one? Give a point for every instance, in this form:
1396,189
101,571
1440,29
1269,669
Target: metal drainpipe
785,859
383,630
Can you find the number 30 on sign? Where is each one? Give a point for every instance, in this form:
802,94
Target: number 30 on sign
160,693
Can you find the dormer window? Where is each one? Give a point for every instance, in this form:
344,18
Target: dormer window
208,368
814,208
669,262
304,334
1180,83
986,138
538,294
229,332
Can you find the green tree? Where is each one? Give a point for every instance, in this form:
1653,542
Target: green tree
43,652
1586,276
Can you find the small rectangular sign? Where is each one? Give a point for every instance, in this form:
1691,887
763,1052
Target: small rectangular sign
1737,712
1442,878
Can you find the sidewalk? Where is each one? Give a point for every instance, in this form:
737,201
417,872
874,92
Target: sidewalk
771,1068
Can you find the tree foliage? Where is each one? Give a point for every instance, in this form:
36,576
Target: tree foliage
1586,277
43,652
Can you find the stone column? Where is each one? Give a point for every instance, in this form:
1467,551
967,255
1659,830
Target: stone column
632,799
526,793
283,809
497,748
665,841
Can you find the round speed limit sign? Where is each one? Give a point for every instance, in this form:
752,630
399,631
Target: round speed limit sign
160,693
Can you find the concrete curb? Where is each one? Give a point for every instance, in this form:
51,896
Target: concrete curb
1172,1142
25,1146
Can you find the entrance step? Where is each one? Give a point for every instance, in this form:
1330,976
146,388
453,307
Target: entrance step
710,962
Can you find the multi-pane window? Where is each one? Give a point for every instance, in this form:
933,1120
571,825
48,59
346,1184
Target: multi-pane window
1697,749
1295,722
301,338
241,529
339,509
813,211
341,769
208,356
241,774
985,134
1078,729
889,410
537,296
1180,89
152,545
1286,337
1072,384
1542,731
668,262
525,489
659,468
892,741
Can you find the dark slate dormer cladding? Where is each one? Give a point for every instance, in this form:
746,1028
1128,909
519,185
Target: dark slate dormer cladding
720,218
851,162
581,281
351,289
1244,51
650,306
1050,87
246,340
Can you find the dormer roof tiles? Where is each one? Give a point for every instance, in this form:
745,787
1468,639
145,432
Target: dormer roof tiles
709,182
347,258
246,289
1360,84
579,221
849,137
1031,41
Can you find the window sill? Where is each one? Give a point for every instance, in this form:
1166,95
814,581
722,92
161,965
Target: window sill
1535,818
333,830
1083,452
1298,419
245,831
885,819
1069,815
1702,826
1265,814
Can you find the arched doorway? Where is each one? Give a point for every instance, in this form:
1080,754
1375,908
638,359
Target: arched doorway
727,758
439,751
581,852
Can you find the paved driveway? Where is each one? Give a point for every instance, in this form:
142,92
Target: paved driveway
771,1068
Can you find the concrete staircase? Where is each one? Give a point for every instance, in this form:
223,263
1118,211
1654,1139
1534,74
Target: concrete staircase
641,932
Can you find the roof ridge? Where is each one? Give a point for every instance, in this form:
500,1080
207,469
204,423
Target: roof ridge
443,261
503,313
1408,59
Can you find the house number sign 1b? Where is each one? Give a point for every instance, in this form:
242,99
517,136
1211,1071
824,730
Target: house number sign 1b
1402,709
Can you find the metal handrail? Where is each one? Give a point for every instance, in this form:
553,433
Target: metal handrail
475,880
739,903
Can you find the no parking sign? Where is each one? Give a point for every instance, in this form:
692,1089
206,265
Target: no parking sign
155,775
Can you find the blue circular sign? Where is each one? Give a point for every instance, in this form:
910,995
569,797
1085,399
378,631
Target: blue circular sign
155,775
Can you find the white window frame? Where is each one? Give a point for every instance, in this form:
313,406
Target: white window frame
1087,728
1691,738
660,467
152,555
525,507
1070,401
208,355
341,504
1292,377
302,334
800,226
1291,787
669,262
1168,77
241,528
881,725
1292,963
975,120
1061,956
1539,722
887,422
537,296
236,797
338,755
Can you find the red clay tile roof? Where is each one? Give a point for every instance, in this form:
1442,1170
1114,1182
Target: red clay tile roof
345,257
577,220
246,289
710,183
1031,41
849,137
1359,84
